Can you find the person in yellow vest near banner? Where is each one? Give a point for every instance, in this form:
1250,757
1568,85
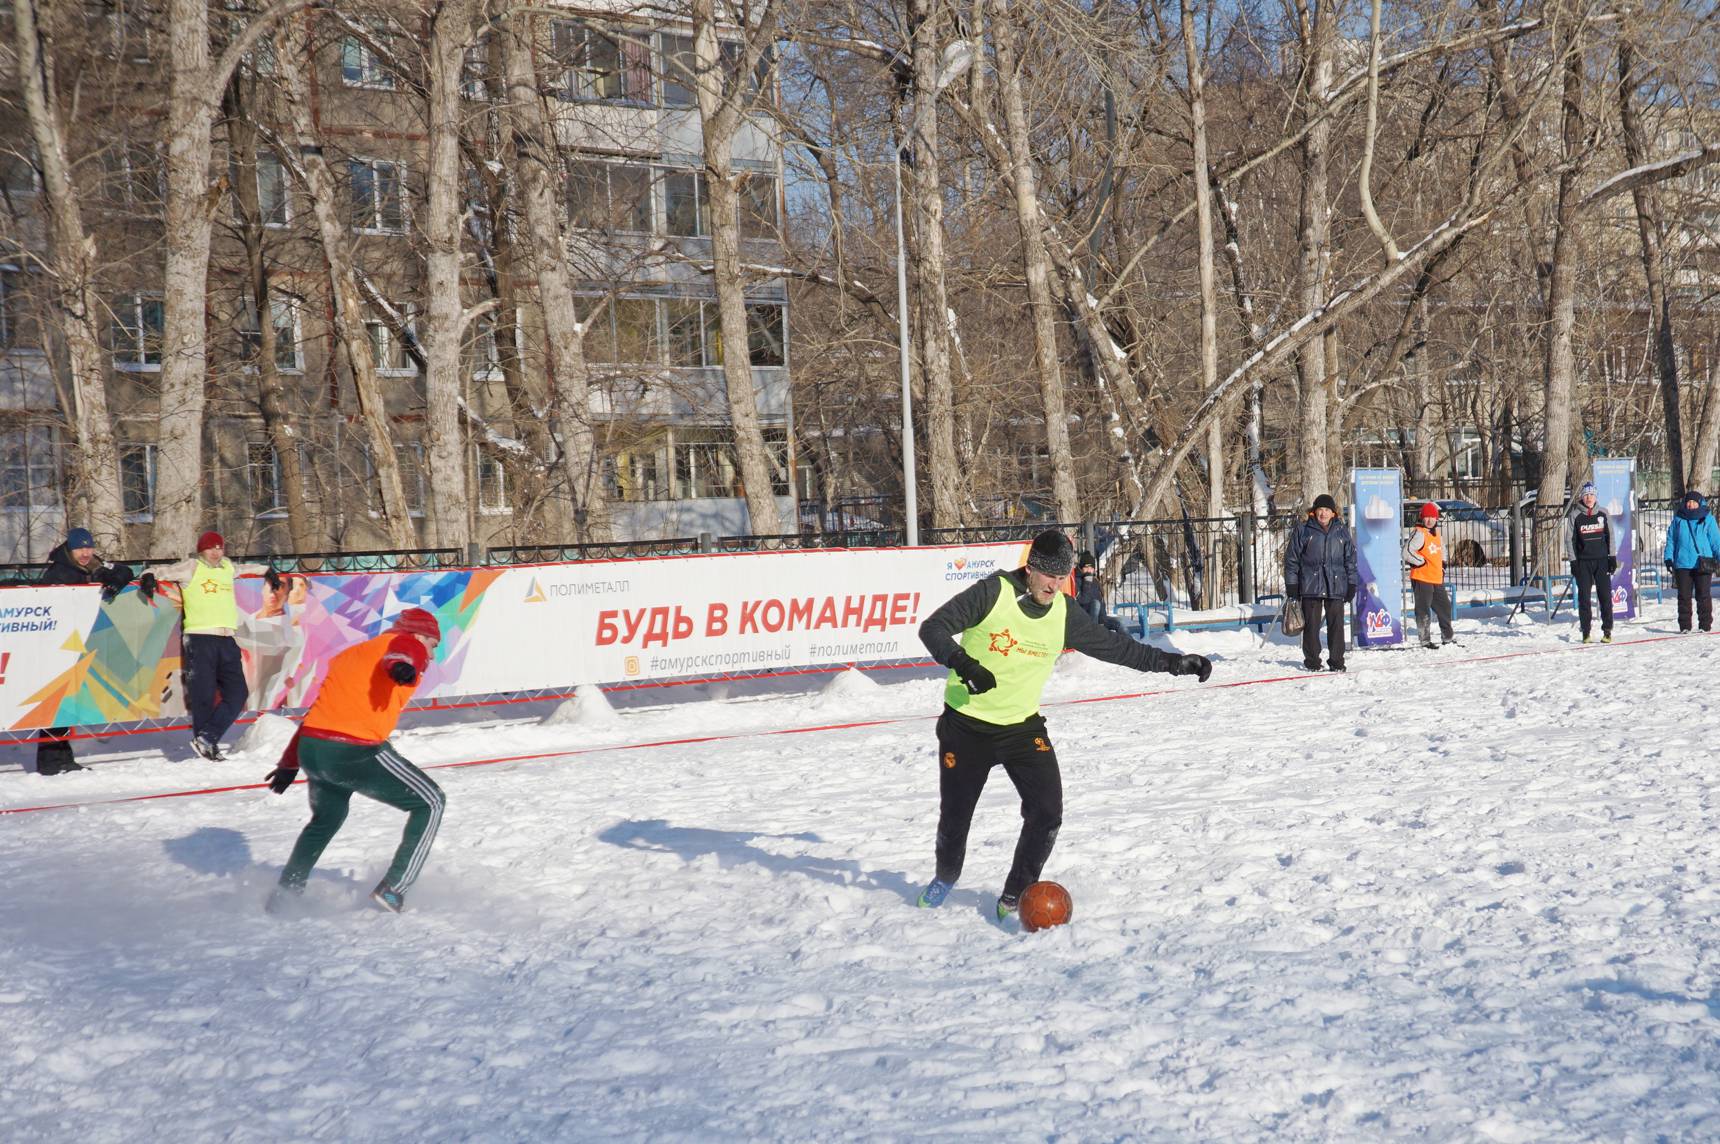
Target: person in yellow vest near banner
1000,639
344,749
215,690
1424,552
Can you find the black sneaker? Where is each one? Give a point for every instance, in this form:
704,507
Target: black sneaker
1337,667
1429,645
388,897
1315,666
1007,905
209,750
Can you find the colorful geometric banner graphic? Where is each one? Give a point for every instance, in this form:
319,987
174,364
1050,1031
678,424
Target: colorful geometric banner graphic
67,659
1378,500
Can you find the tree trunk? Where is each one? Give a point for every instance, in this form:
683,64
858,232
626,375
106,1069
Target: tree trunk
1560,369
1038,266
1707,449
539,170
932,301
450,502
1650,228
292,60
1314,228
71,261
272,402
1208,274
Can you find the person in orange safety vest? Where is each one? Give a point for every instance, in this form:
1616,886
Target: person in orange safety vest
1424,552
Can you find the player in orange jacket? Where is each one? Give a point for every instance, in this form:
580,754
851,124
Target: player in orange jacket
344,749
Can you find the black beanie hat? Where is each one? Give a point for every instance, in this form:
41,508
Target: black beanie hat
1052,554
1324,500
1084,558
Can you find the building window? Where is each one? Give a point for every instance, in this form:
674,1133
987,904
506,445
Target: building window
29,469
680,89
759,216
18,328
609,196
641,472
704,464
377,201
475,71
626,334
137,332
361,66
137,481
126,25
597,64
388,346
686,211
18,174
492,482
410,458
272,190
284,314
767,342
684,321
134,181
263,480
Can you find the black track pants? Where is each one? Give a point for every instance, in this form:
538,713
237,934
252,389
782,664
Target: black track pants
1591,572
1695,587
965,760
1317,613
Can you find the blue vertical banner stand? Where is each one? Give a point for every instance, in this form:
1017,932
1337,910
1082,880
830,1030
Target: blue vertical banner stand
1615,491
1377,495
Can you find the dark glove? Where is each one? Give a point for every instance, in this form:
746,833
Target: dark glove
1669,566
1573,569
402,672
1612,565
273,579
1193,665
146,586
281,778
109,592
1352,595
976,675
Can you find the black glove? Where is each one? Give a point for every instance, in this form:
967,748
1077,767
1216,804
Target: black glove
281,778
1351,598
1669,566
1612,565
273,579
1193,665
1294,591
1573,567
146,585
402,672
976,675
109,592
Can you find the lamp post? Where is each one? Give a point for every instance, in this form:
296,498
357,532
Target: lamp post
957,58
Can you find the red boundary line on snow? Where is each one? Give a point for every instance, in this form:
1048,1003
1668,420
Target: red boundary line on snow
810,730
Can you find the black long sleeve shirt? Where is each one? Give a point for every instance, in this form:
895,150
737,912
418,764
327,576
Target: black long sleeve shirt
941,632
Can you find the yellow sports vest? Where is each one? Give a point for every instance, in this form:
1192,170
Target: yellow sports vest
208,596
1020,652
1433,552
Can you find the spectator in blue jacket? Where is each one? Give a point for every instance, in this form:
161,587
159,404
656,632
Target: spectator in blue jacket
1320,571
1692,554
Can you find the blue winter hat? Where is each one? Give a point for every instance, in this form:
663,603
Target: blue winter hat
1588,490
79,538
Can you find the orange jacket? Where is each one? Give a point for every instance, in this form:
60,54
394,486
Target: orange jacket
1425,554
359,702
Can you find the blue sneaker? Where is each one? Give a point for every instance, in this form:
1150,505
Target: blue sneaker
933,895
388,897
1007,904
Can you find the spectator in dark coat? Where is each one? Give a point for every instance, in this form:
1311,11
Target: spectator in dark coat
76,562
1090,596
1320,571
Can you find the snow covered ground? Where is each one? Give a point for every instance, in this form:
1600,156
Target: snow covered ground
1446,896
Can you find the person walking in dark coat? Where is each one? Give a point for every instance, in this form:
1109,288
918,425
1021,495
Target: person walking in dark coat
1692,553
1592,561
1090,596
1320,571
71,563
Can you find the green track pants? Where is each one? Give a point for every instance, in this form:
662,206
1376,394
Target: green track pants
336,772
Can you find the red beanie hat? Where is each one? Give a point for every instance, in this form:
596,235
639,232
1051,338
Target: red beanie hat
1429,510
416,621
210,539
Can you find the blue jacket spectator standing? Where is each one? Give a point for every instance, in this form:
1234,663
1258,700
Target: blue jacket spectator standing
1320,571
1692,554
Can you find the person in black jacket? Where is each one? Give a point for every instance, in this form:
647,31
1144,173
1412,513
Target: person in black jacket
1592,561
1320,570
76,562
1090,596
1000,638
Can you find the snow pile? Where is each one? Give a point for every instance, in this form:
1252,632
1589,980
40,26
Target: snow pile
265,739
589,707
846,687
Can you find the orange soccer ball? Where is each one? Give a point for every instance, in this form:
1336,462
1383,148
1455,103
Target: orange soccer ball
1045,904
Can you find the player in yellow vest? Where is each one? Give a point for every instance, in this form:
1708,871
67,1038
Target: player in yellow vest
1424,552
1000,638
213,665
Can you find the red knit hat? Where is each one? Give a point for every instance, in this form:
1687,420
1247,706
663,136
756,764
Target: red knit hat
416,621
1429,510
210,539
